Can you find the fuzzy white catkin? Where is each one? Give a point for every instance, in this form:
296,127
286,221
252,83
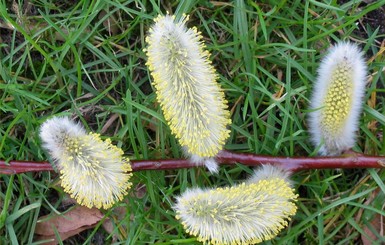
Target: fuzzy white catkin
268,171
248,213
92,170
337,99
192,102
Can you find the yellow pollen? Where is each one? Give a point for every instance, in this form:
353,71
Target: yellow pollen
338,101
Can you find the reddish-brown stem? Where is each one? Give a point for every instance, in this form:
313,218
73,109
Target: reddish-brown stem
17,167
349,160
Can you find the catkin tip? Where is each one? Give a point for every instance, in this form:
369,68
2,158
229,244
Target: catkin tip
268,171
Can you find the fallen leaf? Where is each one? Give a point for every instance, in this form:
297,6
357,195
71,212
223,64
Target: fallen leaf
68,224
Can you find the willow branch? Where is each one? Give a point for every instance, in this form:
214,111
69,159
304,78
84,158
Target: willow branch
350,160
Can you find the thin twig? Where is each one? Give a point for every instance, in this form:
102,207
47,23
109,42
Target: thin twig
349,160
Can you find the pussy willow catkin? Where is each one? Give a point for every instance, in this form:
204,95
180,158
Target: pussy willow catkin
92,170
248,213
337,99
185,81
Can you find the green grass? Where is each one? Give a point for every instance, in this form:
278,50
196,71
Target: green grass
85,59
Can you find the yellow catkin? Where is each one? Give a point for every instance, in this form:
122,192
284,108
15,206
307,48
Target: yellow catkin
192,102
338,100
248,213
93,171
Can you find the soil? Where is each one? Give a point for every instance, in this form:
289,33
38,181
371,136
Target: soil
374,19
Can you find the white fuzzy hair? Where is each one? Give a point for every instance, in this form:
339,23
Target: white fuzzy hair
54,132
210,162
343,61
268,171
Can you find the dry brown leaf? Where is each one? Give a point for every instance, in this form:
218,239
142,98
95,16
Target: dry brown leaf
52,240
69,224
